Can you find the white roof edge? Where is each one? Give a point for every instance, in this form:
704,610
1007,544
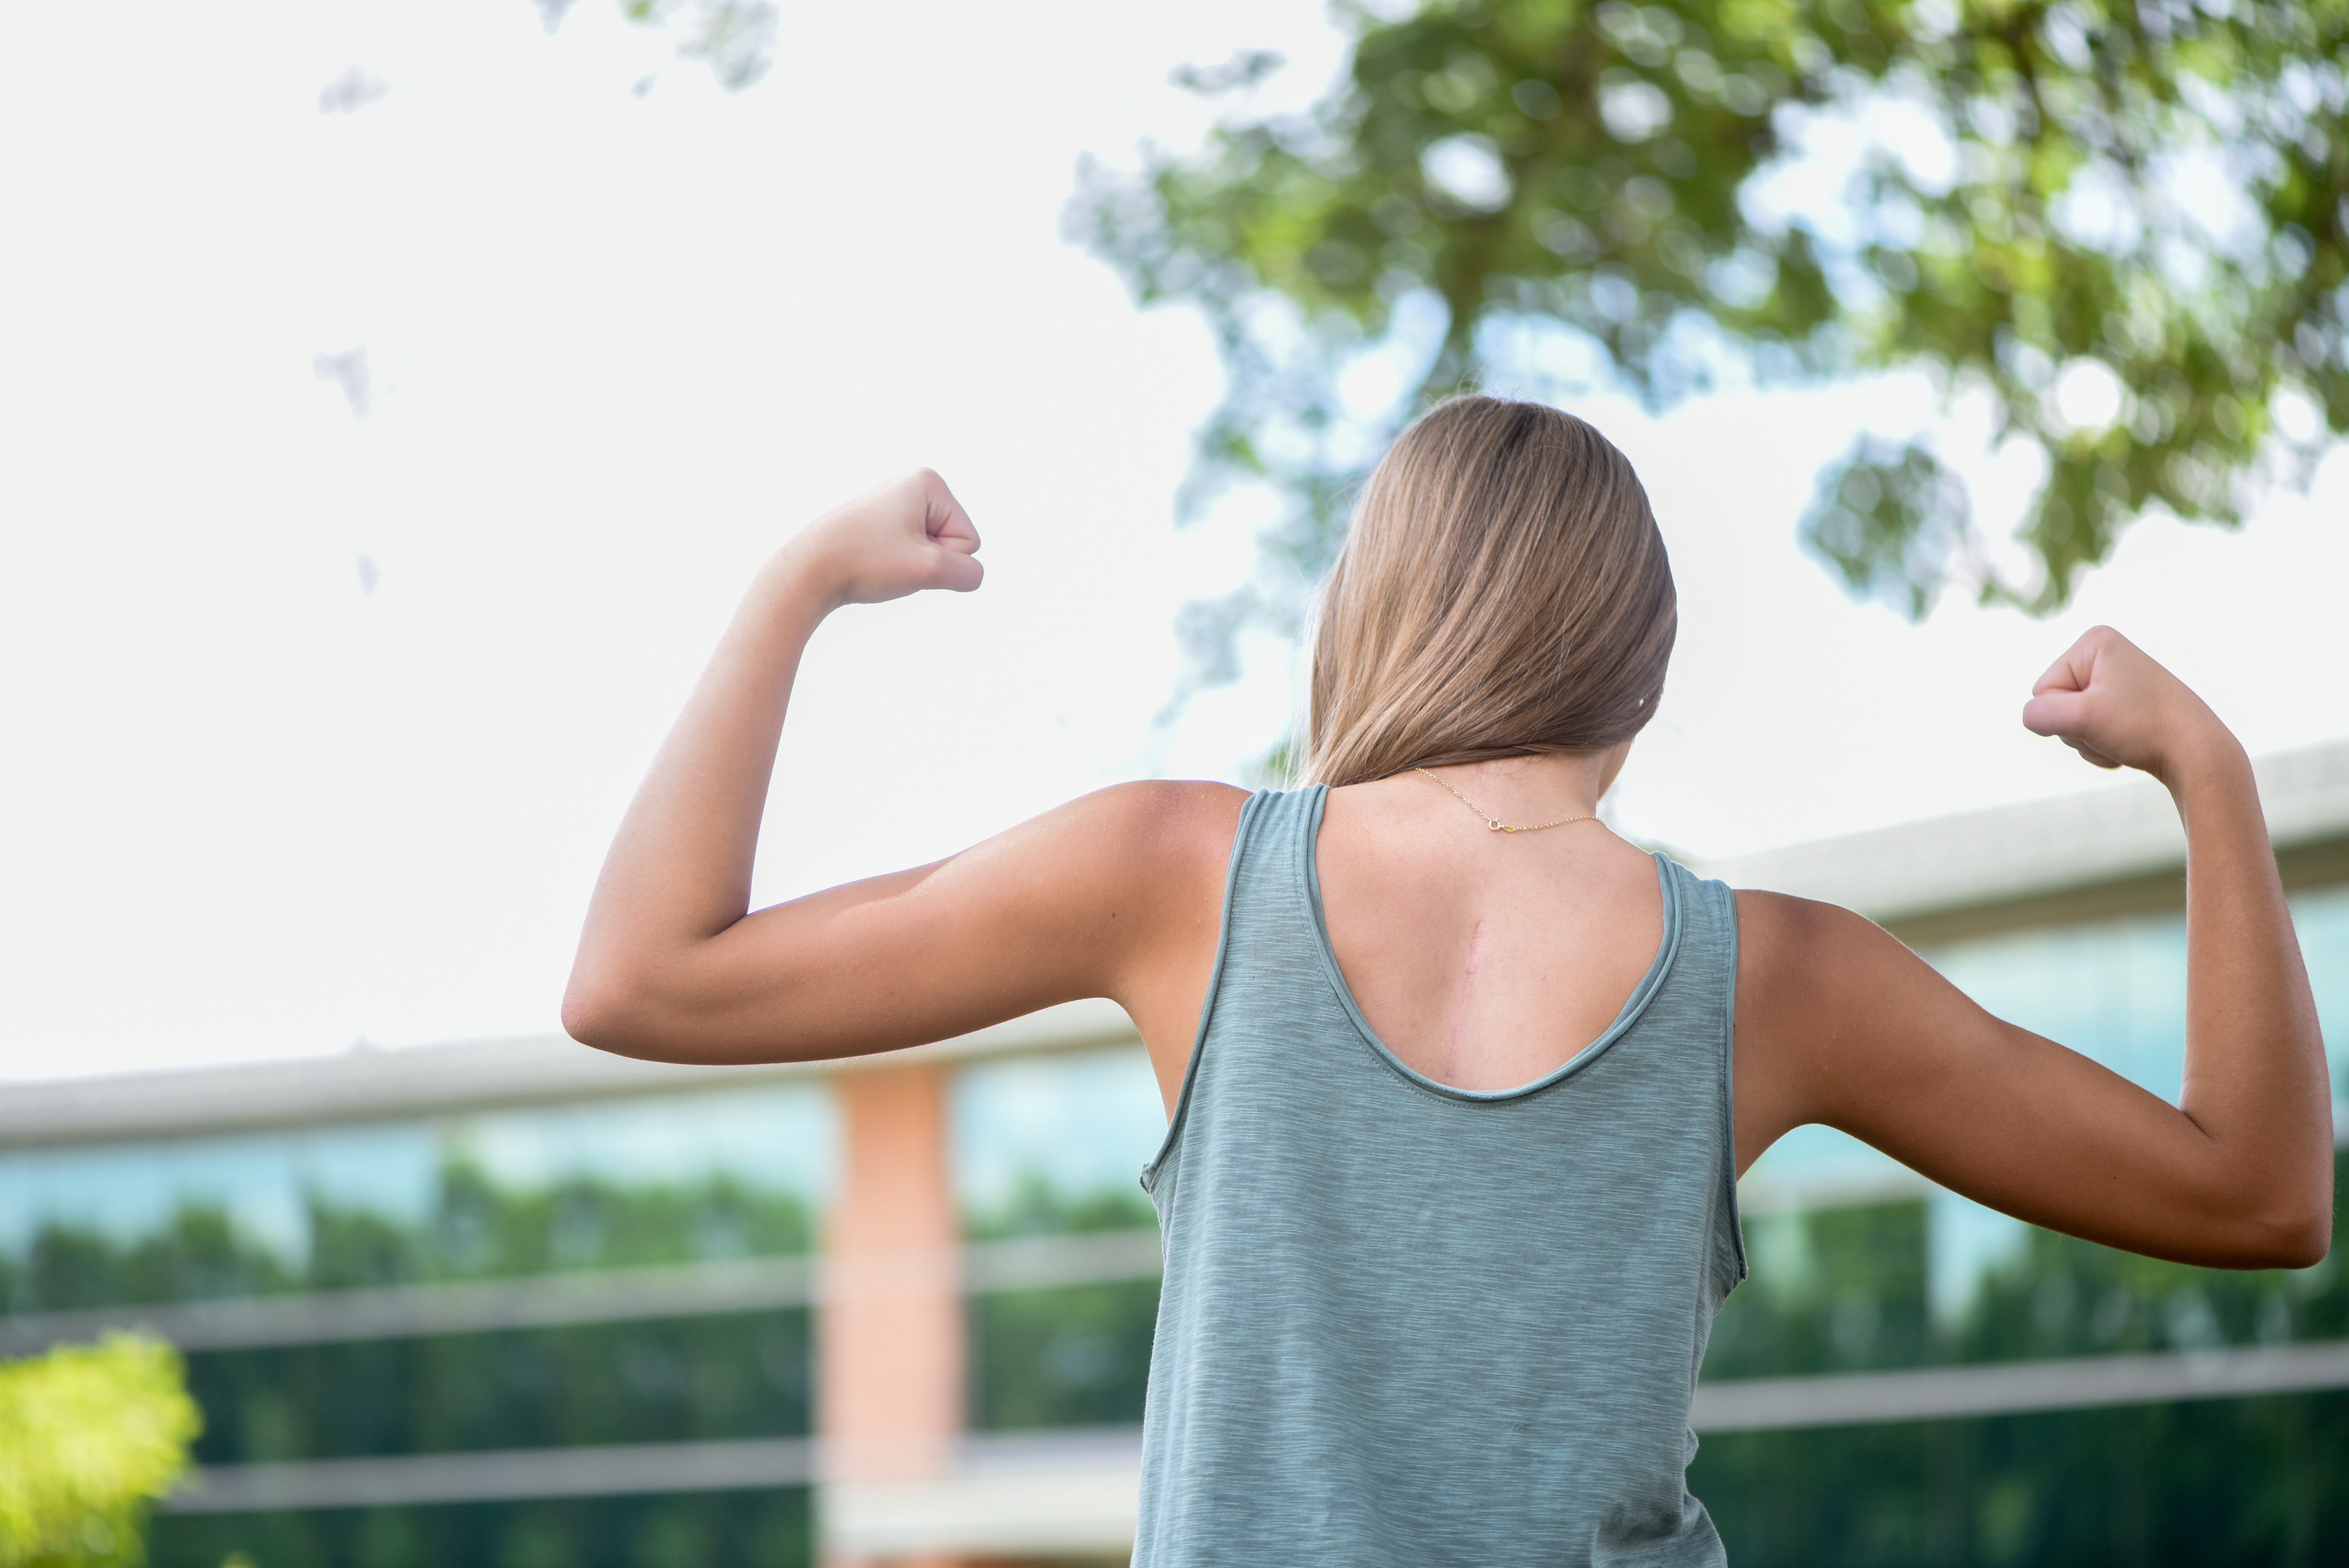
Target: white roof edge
2034,846
388,1084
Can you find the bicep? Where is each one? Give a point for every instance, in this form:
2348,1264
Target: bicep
1840,1024
1071,904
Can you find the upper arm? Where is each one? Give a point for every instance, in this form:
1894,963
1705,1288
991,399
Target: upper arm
1838,1023
1105,896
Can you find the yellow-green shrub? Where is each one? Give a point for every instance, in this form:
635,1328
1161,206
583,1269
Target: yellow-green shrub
89,1435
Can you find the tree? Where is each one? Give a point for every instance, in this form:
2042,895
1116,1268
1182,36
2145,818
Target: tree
735,38
88,1435
2125,222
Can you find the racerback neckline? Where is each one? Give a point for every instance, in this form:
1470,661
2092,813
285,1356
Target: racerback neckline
1309,872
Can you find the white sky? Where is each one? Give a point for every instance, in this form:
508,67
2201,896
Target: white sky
619,346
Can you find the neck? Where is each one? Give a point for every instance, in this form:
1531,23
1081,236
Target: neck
1556,783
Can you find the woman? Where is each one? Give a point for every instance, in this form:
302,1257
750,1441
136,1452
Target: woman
1448,1189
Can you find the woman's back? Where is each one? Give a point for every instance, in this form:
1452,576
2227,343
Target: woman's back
1485,958
1409,1323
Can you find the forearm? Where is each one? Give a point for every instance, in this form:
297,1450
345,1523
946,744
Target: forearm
2256,1082
678,872
661,952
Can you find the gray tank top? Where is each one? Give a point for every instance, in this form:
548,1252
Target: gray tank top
1408,1325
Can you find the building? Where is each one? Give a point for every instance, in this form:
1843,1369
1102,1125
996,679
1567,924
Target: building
518,1303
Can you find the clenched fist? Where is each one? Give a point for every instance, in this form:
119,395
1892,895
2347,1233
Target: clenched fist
909,534
2107,701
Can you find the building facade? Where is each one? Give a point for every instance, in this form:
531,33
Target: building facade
517,1302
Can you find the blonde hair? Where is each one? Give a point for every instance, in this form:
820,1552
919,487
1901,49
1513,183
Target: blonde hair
1504,592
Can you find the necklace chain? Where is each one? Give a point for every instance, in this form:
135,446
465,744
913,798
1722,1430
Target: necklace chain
1495,823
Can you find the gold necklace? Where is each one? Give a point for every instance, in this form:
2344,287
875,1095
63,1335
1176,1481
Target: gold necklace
1495,823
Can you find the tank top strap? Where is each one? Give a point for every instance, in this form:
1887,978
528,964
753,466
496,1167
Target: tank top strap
1273,877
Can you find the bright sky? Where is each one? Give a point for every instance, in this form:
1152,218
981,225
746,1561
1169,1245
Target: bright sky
617,345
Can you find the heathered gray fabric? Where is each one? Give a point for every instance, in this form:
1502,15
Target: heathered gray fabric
1408,1324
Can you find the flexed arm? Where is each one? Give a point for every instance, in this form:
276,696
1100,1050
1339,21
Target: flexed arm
1838,1023
1113,895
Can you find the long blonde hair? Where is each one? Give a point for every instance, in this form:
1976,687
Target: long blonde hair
1504,592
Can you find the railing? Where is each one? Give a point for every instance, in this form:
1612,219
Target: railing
1860,1398
552,1301
562,1300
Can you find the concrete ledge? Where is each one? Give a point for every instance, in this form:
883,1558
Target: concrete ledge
420,1081
2010,853
2015,1387
510,1475
1013,1494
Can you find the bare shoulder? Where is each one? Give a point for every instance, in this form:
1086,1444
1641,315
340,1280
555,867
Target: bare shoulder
1151,852
1180,813
1156,827
1828,1004
1816,977
1789,947
1173,843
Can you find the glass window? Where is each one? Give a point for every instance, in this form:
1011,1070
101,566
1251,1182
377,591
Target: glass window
1077,1126
273,1200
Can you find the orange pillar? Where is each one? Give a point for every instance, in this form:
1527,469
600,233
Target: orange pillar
890,1334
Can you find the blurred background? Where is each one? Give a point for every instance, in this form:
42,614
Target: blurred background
394,398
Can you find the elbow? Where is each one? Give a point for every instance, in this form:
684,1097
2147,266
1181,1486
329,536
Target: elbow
2287,1235
2303,1244
664,1012
608,1012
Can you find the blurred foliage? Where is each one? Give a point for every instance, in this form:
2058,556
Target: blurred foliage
2259,1483
473,1228
693,1380
2245,1480
1038,1207
735,38
2256,1480
89,1435
2060,204
1075,1356
2063,1296
747,1375
1846,1289
1830,1290
772,1528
